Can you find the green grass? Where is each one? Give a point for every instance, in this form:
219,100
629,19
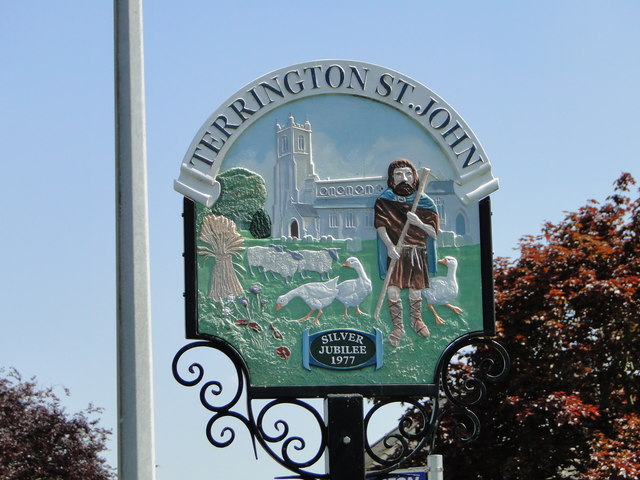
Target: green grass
412,362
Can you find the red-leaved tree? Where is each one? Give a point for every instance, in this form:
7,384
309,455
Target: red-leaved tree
568,313
40,441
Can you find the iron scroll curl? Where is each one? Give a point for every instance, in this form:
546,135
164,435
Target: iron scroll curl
193,374
483,360
412,434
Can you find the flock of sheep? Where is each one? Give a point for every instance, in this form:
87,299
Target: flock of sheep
277,260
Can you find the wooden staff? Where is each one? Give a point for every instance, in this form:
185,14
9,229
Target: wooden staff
421,186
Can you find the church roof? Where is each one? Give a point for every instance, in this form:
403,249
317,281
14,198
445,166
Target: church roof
306,210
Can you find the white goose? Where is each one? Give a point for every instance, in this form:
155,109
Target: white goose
317,295
443,290
351,293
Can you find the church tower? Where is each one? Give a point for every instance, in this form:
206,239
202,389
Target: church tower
294,175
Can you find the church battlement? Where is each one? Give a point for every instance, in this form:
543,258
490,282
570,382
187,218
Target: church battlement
292,123
295,139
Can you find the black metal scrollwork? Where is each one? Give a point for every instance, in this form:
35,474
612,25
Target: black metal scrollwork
463,381
211,390
413,432
461,376
295,442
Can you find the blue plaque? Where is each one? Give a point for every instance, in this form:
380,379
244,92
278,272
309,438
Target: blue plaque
342,349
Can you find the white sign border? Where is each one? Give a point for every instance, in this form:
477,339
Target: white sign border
473,176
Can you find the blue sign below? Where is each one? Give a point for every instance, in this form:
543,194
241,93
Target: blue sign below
414,475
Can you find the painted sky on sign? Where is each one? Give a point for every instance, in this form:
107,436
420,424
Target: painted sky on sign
352,137
549,88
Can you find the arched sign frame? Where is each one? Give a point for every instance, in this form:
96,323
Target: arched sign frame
470,180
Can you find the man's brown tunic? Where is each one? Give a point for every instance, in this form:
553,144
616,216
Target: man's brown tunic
411,269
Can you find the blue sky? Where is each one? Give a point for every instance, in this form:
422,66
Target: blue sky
549,88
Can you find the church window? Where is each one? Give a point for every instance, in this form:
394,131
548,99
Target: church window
301,143
334,221
350,220
284,144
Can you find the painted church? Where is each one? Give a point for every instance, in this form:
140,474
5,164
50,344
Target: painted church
307,206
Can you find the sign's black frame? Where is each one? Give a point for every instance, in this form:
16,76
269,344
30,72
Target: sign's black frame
305,391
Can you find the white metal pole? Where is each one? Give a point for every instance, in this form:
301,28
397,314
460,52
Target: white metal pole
434,467
136,453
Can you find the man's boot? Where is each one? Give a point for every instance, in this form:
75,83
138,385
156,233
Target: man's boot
395,310
415,307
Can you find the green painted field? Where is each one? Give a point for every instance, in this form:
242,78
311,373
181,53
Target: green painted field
412,362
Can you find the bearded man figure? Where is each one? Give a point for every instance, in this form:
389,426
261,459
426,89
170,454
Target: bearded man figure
416,257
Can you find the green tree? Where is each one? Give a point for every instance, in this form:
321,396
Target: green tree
242,194
39,440
567,313
260,226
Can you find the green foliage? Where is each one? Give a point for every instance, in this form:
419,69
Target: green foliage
242,193
567,312
260,226
40,440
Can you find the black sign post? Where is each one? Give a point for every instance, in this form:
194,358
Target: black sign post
345,429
